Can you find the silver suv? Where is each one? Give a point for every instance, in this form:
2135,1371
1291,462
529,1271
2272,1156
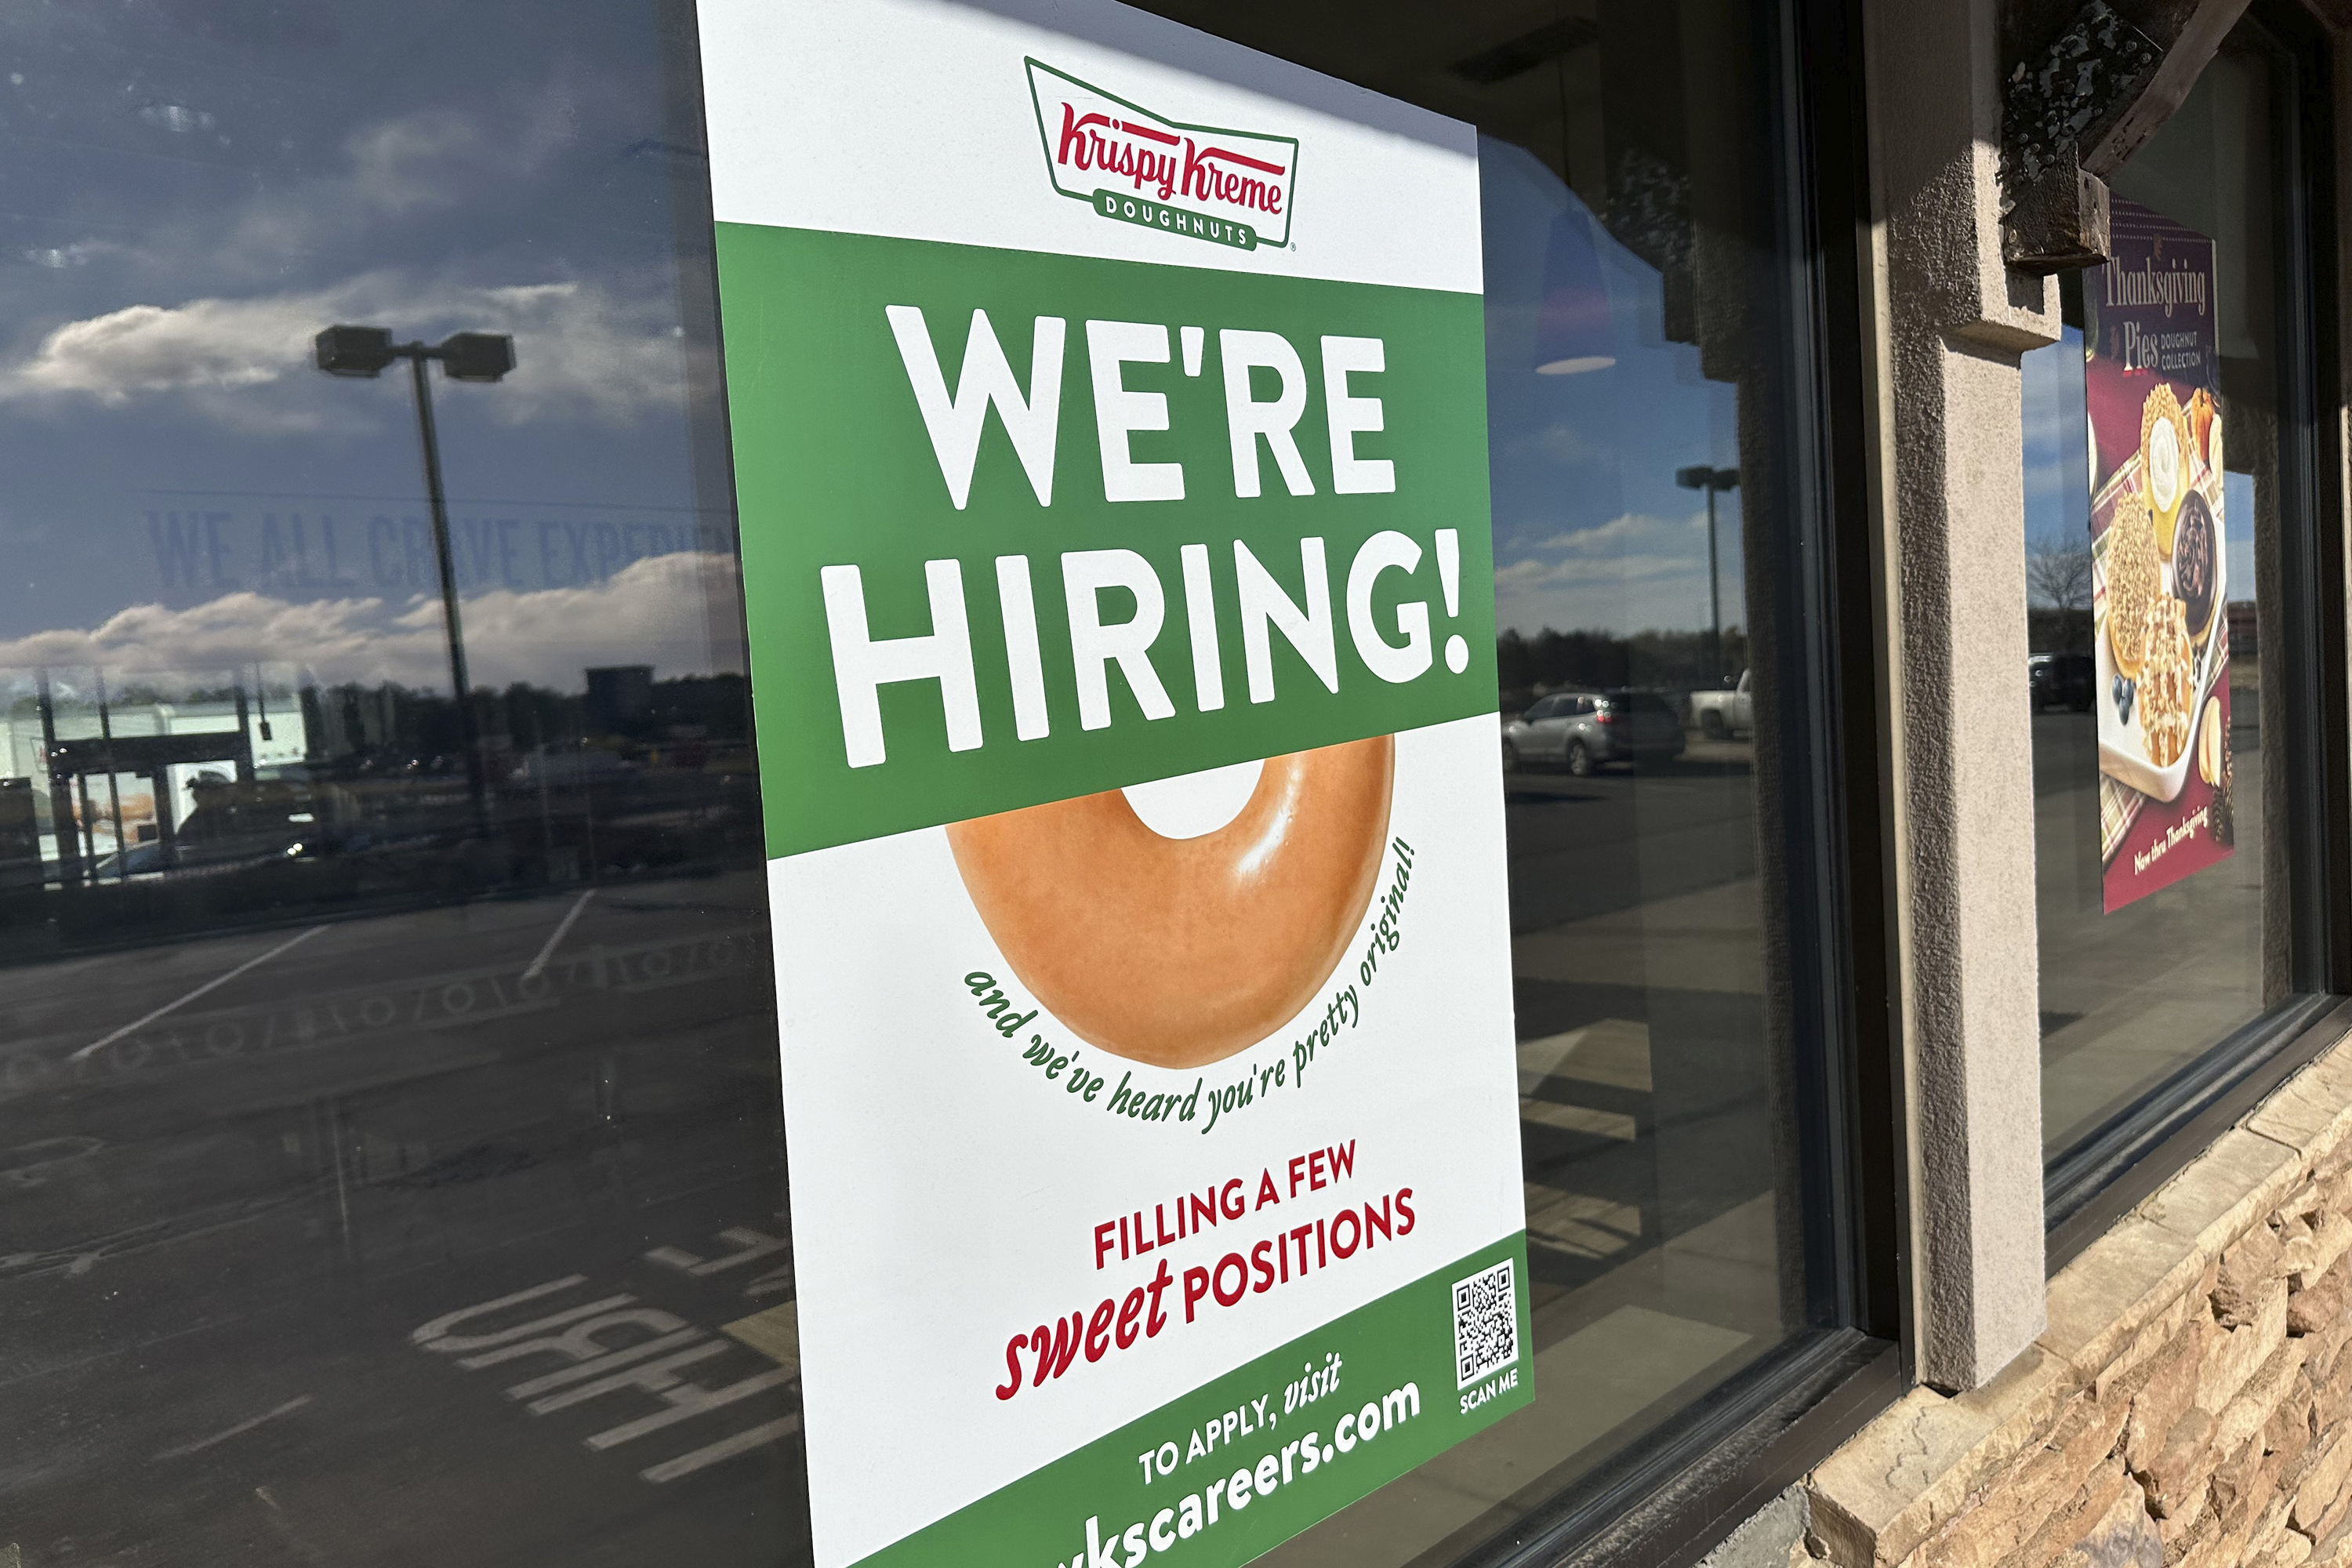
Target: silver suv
1581,729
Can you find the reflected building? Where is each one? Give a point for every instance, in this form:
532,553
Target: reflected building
133,771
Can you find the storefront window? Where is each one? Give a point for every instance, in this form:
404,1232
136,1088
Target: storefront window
2165,528
1649,567
351,1097
391,1161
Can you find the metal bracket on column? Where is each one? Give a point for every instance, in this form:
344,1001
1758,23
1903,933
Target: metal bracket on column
2087,84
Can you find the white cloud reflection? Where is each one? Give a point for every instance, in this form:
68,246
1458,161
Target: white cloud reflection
651,611
583,352
1636,571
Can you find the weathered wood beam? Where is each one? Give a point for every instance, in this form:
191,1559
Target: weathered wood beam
2087,83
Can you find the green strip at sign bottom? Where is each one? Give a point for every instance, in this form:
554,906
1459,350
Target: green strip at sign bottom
1270,1448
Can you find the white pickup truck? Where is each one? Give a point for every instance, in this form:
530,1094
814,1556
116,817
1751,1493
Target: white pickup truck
1723,714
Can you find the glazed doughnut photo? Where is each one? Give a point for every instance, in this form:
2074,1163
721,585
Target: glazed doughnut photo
1181,951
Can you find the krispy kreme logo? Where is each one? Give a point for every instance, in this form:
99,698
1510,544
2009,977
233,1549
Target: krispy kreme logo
1204,181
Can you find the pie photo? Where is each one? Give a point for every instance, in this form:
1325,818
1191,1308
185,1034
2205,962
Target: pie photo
2135,582
2164,449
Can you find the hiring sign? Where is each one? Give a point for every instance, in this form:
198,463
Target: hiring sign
1110,448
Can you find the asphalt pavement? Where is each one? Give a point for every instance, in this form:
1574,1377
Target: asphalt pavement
456,1235
1637,934
243,1176
2130,997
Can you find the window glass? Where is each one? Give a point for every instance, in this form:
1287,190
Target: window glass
2144,967
389,1157
391,1165
1648,544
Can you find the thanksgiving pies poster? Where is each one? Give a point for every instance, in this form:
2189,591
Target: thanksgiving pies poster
1110,449
2159,546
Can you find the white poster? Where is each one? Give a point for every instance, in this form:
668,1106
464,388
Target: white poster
1108,405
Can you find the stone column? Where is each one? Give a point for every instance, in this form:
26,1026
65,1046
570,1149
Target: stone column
1951,323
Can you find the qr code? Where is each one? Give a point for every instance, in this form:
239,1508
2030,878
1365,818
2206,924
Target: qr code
1485,1323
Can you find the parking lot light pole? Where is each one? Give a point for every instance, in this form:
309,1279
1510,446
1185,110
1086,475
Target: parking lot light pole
1713,481
465,356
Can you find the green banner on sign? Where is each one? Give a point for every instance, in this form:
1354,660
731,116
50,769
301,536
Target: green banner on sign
1100,605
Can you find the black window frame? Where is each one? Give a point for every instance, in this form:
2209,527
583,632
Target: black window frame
1670,1496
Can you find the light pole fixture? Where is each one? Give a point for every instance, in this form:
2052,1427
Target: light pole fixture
366,352
1714,481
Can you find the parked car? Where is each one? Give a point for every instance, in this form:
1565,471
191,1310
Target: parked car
1720,715
1582,730
569,769
2068,678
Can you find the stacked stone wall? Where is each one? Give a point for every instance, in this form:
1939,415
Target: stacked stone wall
2191,1402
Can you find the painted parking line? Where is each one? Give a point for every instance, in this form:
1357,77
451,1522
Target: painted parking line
686,1400
774,1334
296,1541
213,985
614,1350
239,1430
216,1040
725,1449
750,1246
561,930
563,1377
